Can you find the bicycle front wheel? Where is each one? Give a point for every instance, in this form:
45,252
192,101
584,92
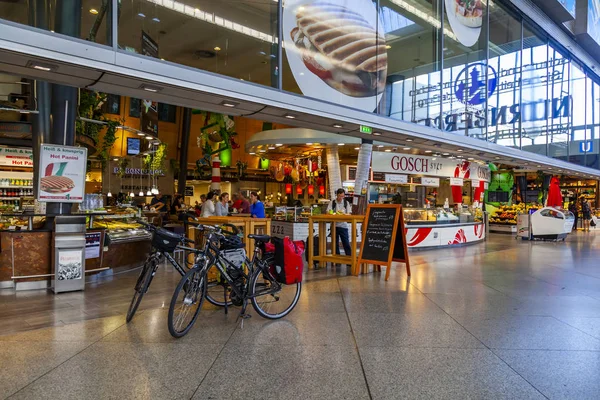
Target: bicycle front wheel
218,291
271,299
141,287
186,302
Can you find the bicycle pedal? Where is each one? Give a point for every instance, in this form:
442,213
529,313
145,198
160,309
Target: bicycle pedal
245,316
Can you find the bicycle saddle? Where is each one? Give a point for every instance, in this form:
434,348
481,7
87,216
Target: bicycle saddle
260,238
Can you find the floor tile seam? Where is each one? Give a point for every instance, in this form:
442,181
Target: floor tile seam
360,359
503,361
67,360
576,328
233,331
547,350
559,286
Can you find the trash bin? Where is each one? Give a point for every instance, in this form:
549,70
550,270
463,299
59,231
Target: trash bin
69,253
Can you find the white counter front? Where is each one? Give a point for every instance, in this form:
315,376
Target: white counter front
443,235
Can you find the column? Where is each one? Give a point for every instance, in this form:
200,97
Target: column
185,142
333,170
362,174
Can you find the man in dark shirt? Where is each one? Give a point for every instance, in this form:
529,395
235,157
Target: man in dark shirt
244,207
158,203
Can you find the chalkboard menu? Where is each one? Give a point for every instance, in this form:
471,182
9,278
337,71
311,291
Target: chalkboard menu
383,237
189,191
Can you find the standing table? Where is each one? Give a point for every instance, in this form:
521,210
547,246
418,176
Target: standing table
322,221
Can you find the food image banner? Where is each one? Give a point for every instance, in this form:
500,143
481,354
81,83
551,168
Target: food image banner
336,50
62,172
429,166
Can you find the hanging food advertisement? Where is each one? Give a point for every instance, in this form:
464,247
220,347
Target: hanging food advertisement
70,265
336,50
62,172
149,118
466,19
429,166
16,157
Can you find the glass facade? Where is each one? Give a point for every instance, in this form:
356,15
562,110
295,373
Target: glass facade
470,68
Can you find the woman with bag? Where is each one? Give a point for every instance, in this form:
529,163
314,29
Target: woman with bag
587,214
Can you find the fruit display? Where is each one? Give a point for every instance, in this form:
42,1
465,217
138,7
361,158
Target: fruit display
507,215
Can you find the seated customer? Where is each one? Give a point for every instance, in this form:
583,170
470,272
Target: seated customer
257,208
222,207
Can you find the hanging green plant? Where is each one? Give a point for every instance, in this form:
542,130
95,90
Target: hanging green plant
158,159
123,164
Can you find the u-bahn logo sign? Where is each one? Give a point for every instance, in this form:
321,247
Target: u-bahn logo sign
470,85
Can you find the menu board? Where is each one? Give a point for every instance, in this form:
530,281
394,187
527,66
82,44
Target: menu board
62,172
381,244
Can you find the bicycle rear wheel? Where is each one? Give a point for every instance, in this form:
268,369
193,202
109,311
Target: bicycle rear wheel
141,287
186,302
218,291
271,299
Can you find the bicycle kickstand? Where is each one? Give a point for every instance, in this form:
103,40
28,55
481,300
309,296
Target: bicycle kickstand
225,299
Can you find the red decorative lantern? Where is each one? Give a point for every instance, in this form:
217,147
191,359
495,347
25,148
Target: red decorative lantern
322,190
298,189
288,188
311,190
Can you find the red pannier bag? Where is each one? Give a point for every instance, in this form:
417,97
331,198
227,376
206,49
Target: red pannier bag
288,264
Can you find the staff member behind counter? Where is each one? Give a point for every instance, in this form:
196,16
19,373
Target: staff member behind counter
159,203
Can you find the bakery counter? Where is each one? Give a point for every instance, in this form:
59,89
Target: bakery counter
423,236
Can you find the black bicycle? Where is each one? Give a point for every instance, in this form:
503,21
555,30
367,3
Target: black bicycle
223,271
164,242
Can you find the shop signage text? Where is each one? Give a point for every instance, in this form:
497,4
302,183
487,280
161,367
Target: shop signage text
139,171
424,165
432,182
62,172
15,157
395,178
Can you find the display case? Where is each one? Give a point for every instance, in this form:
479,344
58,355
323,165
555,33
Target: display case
120,228
296,214
427,216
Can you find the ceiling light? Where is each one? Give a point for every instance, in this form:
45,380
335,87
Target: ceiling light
427,151
271,147
142,15
309,144
459,150
93,11
155,19
406,148
388,150
387,46
357,148
433,159
539,166
290,116
252,153
217,48
141,133
228,103
149,88
149,137
41,66
278,145
149,193
470,158
115,159
141,193
380,145
131,194
409,140
376,133
496,158
262,151
337,126
341,144
446,154
109,194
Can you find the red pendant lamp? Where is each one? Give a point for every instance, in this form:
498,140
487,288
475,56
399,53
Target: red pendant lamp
288,188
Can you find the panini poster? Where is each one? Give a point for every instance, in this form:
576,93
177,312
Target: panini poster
62,172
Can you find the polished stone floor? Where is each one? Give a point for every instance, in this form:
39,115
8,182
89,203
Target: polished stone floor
501,320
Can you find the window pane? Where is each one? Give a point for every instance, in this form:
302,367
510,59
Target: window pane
92,21
135,107
233,38
167,113
112,105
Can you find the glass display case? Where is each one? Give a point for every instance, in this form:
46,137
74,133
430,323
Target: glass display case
441,216
120,228
296,214
419,216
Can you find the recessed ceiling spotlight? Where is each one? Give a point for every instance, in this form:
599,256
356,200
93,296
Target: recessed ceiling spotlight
357,148
337,126
262,151
252,153
459,150
41,66
496,158
434,158
309,144
115,159
446,154
388,150
379,145
271,147
228,103
406,148
428,151
376,133
93,11
290,116
470,158
149,88
341,144
149,137
387,46
409,140
155,19
279,145
140,133
141,15
539,166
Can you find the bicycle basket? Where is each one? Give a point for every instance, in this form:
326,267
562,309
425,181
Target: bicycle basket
165,241
235,256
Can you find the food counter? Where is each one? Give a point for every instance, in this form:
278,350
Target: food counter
504,218
293,222
427,228
113,241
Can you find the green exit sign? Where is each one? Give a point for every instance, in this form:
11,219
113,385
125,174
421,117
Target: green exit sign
366,129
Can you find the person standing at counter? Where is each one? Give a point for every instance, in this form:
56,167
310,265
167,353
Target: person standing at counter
158,203
586,212
257,209
341,206
244,207
222,207
208,207
176,208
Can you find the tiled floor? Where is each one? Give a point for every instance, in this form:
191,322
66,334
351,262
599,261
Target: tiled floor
504,319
